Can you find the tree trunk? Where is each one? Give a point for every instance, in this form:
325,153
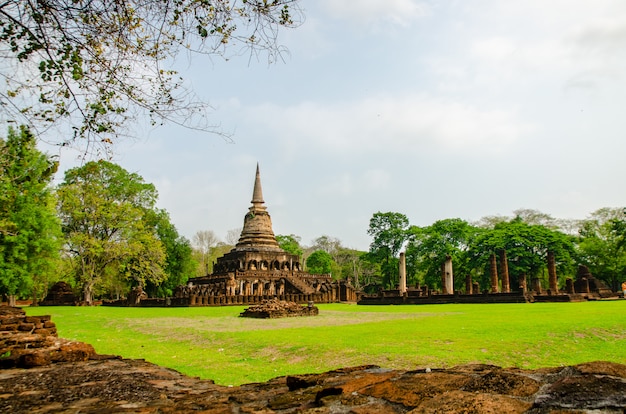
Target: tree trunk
88,293
12,300
35,301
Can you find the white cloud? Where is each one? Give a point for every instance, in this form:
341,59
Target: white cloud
348,184
414,125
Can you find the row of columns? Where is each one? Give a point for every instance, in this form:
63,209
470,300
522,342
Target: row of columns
447,276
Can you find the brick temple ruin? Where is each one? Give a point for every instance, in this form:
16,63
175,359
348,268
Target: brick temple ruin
258,269
584,287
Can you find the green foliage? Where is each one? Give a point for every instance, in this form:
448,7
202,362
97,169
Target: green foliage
179,262
429,246
29,229
290,244
102,209
389,231
319,263
526,246
96,64
601,245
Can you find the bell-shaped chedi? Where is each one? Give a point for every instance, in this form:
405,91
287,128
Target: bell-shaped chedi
257,268
257,233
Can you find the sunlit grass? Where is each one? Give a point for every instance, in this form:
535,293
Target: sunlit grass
214,343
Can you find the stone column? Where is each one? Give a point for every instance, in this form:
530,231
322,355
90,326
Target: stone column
402,272
569,285
504,272
449,276
552,273
468,284
522,282
493,270
584,283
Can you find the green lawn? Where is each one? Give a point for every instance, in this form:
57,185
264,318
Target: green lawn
214,343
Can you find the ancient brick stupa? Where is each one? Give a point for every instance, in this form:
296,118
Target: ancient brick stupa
257,248
257,268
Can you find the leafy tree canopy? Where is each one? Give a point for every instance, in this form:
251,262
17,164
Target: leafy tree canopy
29,229
179,263
290,243
526,246
97,64
389,232
319,263
601,245
429,246
102,209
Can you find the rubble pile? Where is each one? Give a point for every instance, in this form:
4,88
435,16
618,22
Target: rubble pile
30,341
275,308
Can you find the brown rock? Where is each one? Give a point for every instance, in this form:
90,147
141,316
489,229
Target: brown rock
26,327
471,403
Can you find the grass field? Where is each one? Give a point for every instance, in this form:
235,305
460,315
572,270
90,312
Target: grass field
214,343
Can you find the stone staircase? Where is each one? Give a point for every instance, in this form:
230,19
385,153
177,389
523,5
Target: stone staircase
299,284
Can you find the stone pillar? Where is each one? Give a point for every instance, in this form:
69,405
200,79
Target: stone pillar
504,272
522,282
493,270
553,281
569,285
475,288
468,284
402,272
449,276
584,284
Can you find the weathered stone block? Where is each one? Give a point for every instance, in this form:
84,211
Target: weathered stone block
26,327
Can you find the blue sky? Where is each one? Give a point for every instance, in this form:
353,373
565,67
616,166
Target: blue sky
433,109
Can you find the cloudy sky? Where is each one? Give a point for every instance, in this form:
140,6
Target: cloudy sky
434,109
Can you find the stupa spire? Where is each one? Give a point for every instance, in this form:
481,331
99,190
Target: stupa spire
257,194
257,233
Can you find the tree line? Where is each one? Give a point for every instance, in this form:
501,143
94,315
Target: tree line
598,242
101,232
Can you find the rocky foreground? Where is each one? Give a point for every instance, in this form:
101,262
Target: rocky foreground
42,373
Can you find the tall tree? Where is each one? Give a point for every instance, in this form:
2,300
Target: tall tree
290,243
350,264
30,236
319,263
204,242
389,231
526,246
179,262
101,206
429,246
98,64
330,245
600,245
